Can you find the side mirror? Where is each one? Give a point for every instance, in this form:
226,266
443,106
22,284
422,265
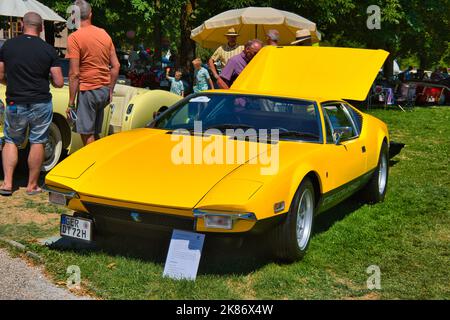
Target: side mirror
342,133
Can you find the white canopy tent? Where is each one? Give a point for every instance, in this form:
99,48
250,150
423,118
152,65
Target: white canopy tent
18,8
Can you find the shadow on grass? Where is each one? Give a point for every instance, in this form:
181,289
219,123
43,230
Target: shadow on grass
219,256
327,219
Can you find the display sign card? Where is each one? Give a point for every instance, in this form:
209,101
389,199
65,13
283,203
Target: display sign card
184,255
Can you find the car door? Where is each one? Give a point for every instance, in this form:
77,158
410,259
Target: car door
347,159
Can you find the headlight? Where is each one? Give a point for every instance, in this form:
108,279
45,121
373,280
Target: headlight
58,197
222,220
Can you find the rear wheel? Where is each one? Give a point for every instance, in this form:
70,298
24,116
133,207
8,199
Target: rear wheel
53,148
290,239
375,190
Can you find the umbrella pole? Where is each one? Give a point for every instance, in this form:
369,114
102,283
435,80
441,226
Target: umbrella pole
10,27
256,31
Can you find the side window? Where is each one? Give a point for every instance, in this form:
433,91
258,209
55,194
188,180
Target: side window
328,130
338,116
356,116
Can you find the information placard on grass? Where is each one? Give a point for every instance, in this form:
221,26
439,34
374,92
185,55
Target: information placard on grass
184,255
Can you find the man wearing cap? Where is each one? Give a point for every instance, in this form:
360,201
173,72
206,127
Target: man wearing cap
225,52
273,37
302,38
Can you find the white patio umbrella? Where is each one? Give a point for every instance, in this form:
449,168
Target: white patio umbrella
18,8
250,23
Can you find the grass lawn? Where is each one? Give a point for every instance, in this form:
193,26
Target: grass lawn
407,236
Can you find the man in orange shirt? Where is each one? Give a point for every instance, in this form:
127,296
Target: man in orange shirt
94,69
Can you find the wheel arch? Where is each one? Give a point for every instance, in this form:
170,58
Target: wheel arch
315,180
64,128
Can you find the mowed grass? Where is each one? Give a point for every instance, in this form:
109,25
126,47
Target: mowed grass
407,236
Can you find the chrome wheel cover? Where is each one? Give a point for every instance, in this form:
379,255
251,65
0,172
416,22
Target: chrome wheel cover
305,214
49,148
382,174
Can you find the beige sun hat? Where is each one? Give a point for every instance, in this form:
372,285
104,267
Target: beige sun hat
302,35
232,33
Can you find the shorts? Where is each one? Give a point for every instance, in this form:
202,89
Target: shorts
36,117
90,110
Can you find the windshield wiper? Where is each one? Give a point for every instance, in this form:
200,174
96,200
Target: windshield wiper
297,134
226,126
220,127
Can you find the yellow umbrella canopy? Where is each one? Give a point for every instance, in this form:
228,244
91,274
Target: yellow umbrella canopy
251,23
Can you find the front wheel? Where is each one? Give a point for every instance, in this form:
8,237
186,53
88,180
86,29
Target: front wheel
53,148
290,239
375,190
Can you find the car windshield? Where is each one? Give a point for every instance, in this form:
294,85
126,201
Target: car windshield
294,119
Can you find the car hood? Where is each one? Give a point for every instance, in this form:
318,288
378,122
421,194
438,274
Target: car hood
142,166
319,72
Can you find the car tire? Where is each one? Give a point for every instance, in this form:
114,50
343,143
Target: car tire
290,239
375,190
53,148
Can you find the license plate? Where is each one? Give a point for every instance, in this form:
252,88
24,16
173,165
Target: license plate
77,228
57,198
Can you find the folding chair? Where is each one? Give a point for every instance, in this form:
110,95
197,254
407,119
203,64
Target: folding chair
407,96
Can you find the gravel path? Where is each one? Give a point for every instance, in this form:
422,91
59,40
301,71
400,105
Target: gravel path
19,281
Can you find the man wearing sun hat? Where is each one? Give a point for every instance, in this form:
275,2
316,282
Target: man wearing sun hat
225,52
302,38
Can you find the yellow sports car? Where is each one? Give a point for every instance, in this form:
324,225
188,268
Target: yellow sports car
263,157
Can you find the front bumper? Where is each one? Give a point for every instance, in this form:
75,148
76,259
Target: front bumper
130,221
121,219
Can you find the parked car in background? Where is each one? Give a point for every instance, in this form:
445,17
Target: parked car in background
131,108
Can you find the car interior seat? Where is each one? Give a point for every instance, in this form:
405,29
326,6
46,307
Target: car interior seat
121,99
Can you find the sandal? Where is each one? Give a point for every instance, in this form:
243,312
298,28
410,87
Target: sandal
34,192
5,193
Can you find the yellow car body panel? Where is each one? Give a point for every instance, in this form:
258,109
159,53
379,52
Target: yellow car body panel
135,170
317,72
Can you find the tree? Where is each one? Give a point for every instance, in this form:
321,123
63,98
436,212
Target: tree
408,27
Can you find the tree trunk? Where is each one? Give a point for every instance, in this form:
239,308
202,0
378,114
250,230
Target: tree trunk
187,46
389,67
49,28
157,33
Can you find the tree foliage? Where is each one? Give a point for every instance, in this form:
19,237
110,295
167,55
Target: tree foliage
408,27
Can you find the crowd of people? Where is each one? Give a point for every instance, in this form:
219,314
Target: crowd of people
229,60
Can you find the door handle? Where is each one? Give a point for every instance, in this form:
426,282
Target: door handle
363,149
